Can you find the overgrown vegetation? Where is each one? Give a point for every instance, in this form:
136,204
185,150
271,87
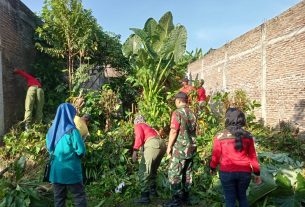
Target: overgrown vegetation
154,63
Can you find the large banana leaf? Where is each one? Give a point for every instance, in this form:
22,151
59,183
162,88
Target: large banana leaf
288,195
257,192
175,44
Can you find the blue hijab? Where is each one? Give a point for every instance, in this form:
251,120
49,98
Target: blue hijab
62,124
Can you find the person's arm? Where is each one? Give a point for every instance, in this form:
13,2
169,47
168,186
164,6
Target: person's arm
216,154
253,158
139,137
139,141
78,143
172,138
175,126
23,74
254,163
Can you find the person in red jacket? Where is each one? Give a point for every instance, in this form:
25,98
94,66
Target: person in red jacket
34,100
201,92
153,148
186,88
234,150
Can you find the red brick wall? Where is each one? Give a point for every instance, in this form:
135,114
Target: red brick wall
17,25
267,62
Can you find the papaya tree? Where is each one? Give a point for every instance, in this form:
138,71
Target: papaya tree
154,53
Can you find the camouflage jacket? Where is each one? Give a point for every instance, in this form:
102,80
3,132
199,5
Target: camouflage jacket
184,121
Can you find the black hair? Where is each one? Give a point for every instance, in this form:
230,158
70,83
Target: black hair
235,121
87,117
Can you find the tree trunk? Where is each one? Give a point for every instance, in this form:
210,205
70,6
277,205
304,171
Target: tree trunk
70,71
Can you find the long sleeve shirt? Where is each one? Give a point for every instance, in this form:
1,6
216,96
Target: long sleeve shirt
187,89
232,160
31,81
66,164
201,94
143,132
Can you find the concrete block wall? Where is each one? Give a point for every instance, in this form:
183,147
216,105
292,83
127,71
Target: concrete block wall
268,62
17,25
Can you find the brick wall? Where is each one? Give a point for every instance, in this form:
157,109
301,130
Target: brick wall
267,62
17,25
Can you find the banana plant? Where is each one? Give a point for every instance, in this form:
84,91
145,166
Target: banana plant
154,53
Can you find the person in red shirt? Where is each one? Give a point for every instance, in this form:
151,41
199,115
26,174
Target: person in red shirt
153,148
34,100
201,93
234,150
186,88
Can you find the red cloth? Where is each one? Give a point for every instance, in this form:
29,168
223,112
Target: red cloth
187,89
31,81
201,94
231,160
174,122
143,132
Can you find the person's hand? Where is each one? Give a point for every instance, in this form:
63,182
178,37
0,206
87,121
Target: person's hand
212,172
169,151
134,156
257,180
14,71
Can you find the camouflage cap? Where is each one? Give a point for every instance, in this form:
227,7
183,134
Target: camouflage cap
181,95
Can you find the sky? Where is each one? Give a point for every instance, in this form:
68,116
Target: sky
209,23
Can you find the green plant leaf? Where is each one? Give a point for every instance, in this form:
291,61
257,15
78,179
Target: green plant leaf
166,23
300,188
257,192
286,195
175,44
132,45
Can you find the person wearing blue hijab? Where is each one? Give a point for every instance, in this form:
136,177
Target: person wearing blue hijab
66,147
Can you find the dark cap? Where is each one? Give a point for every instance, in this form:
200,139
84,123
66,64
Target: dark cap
185,80
181,95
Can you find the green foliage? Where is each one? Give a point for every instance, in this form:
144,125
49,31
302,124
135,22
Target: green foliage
80,77
30,143
67,28
154,53
49,70
284,182
17,190
108,160
68,31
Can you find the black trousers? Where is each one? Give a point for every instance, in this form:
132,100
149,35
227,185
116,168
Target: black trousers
77,190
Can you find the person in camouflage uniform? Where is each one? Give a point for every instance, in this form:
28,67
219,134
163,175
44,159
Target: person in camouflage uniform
181,148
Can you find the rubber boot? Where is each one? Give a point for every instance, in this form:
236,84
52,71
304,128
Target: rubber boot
175,202
153,191
144,198
185,198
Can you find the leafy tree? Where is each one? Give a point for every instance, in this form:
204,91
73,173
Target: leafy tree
68,30
154,53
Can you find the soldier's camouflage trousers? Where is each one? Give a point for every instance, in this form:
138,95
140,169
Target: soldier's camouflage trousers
180,175
154,149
